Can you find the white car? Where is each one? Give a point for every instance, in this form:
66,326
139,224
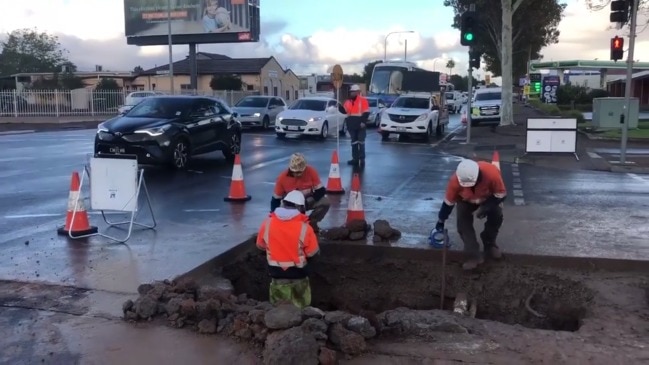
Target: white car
312,116
453,101
414,114
134,98
486,105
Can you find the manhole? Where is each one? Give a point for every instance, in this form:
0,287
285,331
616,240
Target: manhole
528,296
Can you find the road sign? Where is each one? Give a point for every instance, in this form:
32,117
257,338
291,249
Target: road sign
337,76
526,90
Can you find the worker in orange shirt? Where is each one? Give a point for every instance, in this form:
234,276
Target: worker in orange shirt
358,110
290,244
475,187
305,179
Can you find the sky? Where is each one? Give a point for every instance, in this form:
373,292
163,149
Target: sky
306,36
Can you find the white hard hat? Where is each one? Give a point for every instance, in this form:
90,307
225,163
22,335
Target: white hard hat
467,173
296,197
355,88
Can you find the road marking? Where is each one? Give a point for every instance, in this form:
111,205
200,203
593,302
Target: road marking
638,178
12,159
518,186
9,133
21,216
200,210
594,155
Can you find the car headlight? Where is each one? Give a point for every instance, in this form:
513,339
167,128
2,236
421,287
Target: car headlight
154,132
314,119
101,128
422,118
257,115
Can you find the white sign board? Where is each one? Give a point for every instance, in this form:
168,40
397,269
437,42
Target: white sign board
551,135
113,184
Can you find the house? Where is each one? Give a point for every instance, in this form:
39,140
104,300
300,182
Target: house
89,78
263,75
639,87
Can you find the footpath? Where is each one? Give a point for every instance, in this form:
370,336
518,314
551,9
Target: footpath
594,153
12,125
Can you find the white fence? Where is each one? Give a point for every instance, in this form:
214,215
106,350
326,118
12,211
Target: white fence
85,102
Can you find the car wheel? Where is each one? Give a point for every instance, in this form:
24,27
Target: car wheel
180,154
385,136
281,135
324,131
235,147
429,131
343,130
265,124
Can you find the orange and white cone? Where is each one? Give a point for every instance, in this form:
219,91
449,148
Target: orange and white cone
334,183
80,225
463,120
355,209
495,160
237,187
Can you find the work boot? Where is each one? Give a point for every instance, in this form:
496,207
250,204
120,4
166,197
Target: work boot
472,263
494,252
352,162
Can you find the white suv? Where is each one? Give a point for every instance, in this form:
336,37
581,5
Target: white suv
415,114
486,105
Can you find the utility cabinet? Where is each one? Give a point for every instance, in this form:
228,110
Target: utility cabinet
607,111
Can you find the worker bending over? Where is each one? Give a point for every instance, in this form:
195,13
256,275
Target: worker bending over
305,179
289,242
358,110
475,187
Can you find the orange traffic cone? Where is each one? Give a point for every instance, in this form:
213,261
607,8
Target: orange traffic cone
334,184
237,187
355,208
495,160
463,121
80,225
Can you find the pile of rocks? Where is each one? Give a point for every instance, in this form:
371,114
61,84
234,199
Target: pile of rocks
357,230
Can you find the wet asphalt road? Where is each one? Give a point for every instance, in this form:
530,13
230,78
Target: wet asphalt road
549,211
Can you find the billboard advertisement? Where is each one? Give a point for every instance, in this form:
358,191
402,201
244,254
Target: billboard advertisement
192,21
550,86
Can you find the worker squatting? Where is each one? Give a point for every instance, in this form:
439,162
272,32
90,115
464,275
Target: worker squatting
289,236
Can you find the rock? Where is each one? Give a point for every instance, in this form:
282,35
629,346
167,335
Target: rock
130,316
158,291
420,322
146,307
257,316
377,239
186,285
173,305
349,342
188,307
361,326
127,306
144,289
283,316
207,326
259,332
265,306
316,327
224,287
327,356
313,312
337,317
356,236
336,234
207,309
242,298
383,229
225,324
357,225
207,292
292,346
251,302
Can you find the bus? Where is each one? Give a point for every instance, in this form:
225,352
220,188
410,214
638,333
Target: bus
387,78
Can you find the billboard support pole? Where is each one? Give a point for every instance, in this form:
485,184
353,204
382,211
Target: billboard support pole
170,44
628,82
193,74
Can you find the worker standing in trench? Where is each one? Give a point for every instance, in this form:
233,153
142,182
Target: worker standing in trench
475,187
290,243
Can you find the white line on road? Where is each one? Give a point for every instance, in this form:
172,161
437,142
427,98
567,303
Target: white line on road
518,186
638,178
593,155
13,159
22,216
9,133
200,210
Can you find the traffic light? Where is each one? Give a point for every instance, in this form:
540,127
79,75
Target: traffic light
468,28
474,59
617,48
620,11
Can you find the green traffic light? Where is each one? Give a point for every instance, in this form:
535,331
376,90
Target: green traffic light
468,36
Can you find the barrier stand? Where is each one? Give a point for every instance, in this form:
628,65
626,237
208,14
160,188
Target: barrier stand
116,183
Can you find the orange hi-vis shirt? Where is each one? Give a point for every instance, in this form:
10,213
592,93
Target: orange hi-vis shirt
307,183
357,107
288,243
490,183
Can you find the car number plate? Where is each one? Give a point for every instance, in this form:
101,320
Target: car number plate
117,150
292,128
401,129
489,112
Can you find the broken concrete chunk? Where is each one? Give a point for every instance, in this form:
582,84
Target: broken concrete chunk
346,341
361,326
207,326
143,289
312,312
357,236
327,356
316,327
292,346
357,225
383,229
146,307
127,306
337,317
283,316
336,234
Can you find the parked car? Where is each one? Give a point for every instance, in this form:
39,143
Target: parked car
412,114
453,101
170,130
259,111
134,98
377,105
312,116
486,105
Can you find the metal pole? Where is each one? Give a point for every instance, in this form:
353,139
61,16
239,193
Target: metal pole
337,91
468,106
405,52
629,81
171,59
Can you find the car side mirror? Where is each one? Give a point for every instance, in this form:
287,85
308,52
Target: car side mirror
235,114
381,105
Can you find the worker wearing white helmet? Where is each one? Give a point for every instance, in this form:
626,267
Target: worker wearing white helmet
358,110
475,187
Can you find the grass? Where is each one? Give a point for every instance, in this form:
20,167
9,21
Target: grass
642,132
552,109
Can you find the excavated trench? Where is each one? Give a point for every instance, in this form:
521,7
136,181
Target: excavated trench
368,284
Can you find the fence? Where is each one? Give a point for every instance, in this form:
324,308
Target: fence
85,102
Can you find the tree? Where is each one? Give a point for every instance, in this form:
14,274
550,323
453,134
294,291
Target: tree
355,78
368,70
461,83
138,69
226,82
534,27
27,50
450,65
107,85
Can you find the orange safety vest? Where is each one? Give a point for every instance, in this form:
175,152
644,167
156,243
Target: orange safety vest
357,107
288,243
490,183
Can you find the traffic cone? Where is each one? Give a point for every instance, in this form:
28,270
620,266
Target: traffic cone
355,208
495,160
80,225
237,187
463,121
334,184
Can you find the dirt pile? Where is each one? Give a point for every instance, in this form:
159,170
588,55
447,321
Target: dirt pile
357,230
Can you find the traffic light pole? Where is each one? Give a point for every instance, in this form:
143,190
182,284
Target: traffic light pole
468,105
629,81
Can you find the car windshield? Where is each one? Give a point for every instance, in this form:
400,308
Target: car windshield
372,103
164,108
449,96
252,103
387,80
488,96
309,104
411,103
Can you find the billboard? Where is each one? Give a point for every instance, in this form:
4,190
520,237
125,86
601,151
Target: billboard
192,21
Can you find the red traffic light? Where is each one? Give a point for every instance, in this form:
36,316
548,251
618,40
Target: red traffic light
617,43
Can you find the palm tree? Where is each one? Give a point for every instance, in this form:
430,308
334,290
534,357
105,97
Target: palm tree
450,65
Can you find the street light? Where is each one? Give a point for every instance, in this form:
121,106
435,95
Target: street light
171,59
385,42
437,59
